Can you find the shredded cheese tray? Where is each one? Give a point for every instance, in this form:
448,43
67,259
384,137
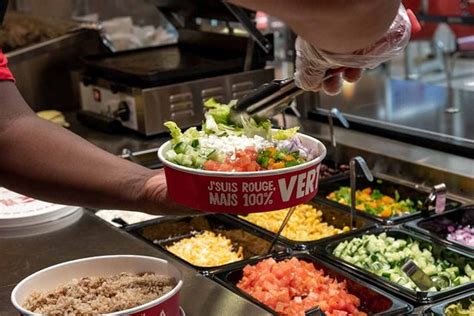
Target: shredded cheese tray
206,249
306,223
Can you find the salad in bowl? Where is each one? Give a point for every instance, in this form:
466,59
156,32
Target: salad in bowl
228,168
223,146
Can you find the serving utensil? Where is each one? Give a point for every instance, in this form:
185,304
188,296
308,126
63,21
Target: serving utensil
282,226
337,114
421,279
353,175
437,195
269,99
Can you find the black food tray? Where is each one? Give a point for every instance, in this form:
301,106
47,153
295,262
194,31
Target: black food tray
331,215
436,225
386,187
450,254
165,231
158,66
332,165
147,158
373,300
438,309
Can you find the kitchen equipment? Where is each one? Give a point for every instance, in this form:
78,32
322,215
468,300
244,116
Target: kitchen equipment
368,175
438,195
331,215
337,114
166,231
415,193
144,88
282,226
147,158
270,99
450,254
440,308
41,68
421,279
437,225
374,301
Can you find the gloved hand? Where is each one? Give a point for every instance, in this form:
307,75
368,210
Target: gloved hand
313,64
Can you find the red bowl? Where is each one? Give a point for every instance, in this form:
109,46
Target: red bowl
53,276
244,192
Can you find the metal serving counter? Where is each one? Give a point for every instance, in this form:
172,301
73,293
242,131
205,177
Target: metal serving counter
427,166
114,143
423,114
90,236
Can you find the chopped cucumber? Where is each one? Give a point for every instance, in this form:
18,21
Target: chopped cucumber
384,256
468,270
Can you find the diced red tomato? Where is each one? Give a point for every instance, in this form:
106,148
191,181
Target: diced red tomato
245,160
292,286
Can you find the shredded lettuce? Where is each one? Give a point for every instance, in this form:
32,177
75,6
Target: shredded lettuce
219,112
217,121
175,131
252,128
191,134
186,150
284,134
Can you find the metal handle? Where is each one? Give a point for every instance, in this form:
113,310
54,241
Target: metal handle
438,194
261,93
243,18
353,174
273,98
273,104
336,113
420,278
266,102
282,226
128,153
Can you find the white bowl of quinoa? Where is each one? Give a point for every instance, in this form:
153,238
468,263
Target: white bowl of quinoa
111,285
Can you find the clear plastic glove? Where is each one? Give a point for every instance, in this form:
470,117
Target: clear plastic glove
313,65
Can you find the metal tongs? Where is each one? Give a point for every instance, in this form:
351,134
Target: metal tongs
266,101
421,279
269,99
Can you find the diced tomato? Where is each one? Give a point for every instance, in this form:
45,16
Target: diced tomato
244,160
292,286
210,165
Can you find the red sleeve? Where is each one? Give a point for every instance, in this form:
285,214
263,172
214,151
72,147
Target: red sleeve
5,73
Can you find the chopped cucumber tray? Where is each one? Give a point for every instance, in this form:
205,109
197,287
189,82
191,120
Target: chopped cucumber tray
384,256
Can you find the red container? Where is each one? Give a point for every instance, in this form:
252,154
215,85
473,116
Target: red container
53,276
244,192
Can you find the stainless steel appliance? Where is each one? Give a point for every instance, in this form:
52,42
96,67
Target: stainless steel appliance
41,62
143,88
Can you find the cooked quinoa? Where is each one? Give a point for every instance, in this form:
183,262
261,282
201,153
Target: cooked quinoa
109,294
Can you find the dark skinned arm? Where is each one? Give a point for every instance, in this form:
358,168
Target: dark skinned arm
46,161
338,26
